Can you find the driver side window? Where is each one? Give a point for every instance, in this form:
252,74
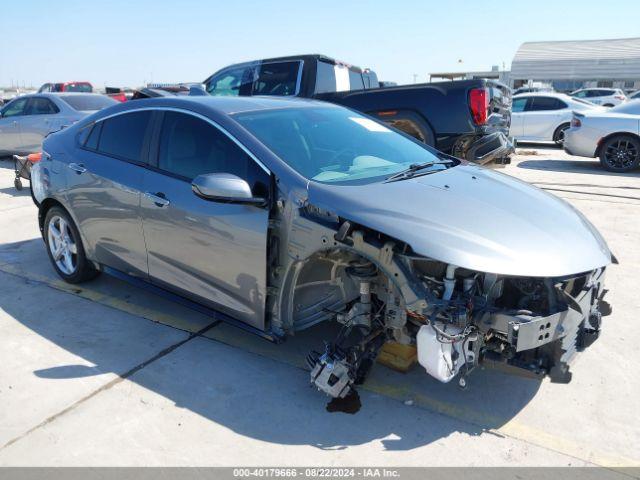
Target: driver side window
232,82
15,108
519,104
189,147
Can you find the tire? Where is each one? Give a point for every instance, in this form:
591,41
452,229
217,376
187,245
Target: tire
65,249
620,153
608,105
558,135
411,124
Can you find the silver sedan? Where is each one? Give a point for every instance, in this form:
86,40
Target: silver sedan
613,136
26,120
278,214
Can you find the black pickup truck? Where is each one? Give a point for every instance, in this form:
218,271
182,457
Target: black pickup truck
468,119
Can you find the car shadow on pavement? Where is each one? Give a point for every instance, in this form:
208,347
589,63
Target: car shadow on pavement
253,394
586,166
12,191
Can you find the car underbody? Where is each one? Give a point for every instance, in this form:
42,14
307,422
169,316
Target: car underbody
324,268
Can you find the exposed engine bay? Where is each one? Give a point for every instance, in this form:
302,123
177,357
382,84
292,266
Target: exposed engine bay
378,290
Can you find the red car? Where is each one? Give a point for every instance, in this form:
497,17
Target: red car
83,87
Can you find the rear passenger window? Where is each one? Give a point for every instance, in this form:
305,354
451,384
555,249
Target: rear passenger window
41,106
355,80
325,78
279,78
546,103
93,136
123,136
190,147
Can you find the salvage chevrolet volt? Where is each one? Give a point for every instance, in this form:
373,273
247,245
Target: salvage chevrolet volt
280,214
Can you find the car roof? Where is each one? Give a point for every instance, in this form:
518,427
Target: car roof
596,88
543,94
230,105
59,94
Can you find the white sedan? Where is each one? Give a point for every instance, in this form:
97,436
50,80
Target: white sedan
544,116
612,135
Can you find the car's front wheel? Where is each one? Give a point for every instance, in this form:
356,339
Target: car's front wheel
65,249
620,154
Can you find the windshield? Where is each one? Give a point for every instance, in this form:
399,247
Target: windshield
335,145
632,107
88,102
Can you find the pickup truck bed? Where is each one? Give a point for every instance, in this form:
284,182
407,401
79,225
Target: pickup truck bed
439,114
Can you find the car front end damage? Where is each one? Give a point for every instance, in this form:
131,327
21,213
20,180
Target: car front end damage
377,288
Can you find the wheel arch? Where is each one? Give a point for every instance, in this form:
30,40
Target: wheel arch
558,128
50,202
382,256
412,118
608,137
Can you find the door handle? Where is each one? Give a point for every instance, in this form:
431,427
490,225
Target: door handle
77,167
158,198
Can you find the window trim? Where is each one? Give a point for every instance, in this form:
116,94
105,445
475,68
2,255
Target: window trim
153,132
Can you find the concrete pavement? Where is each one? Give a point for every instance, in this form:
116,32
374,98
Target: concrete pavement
105,374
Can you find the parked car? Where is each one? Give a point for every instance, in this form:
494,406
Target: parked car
25,121
540,117
607,97
635,95
613,136
467,118
117,93
281,214
81,87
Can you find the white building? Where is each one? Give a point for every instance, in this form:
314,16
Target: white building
568,65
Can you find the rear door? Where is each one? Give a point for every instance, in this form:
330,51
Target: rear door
39,120
213,253
12,116
104,183
542,116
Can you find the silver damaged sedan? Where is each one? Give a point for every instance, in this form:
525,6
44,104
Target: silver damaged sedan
283,214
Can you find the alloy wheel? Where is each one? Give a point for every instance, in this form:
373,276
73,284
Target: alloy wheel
621,154
63,245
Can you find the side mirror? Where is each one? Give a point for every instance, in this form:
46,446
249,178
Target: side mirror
224,187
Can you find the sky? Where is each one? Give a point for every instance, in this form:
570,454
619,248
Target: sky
129,43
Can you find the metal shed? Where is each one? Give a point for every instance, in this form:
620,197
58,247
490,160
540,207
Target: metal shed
579,63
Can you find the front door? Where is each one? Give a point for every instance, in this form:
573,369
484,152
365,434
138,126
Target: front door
517,116
213,253
104,181
40,119
12,114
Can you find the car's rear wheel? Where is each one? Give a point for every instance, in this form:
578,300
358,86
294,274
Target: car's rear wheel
558,135
608,105
64,246
620,153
